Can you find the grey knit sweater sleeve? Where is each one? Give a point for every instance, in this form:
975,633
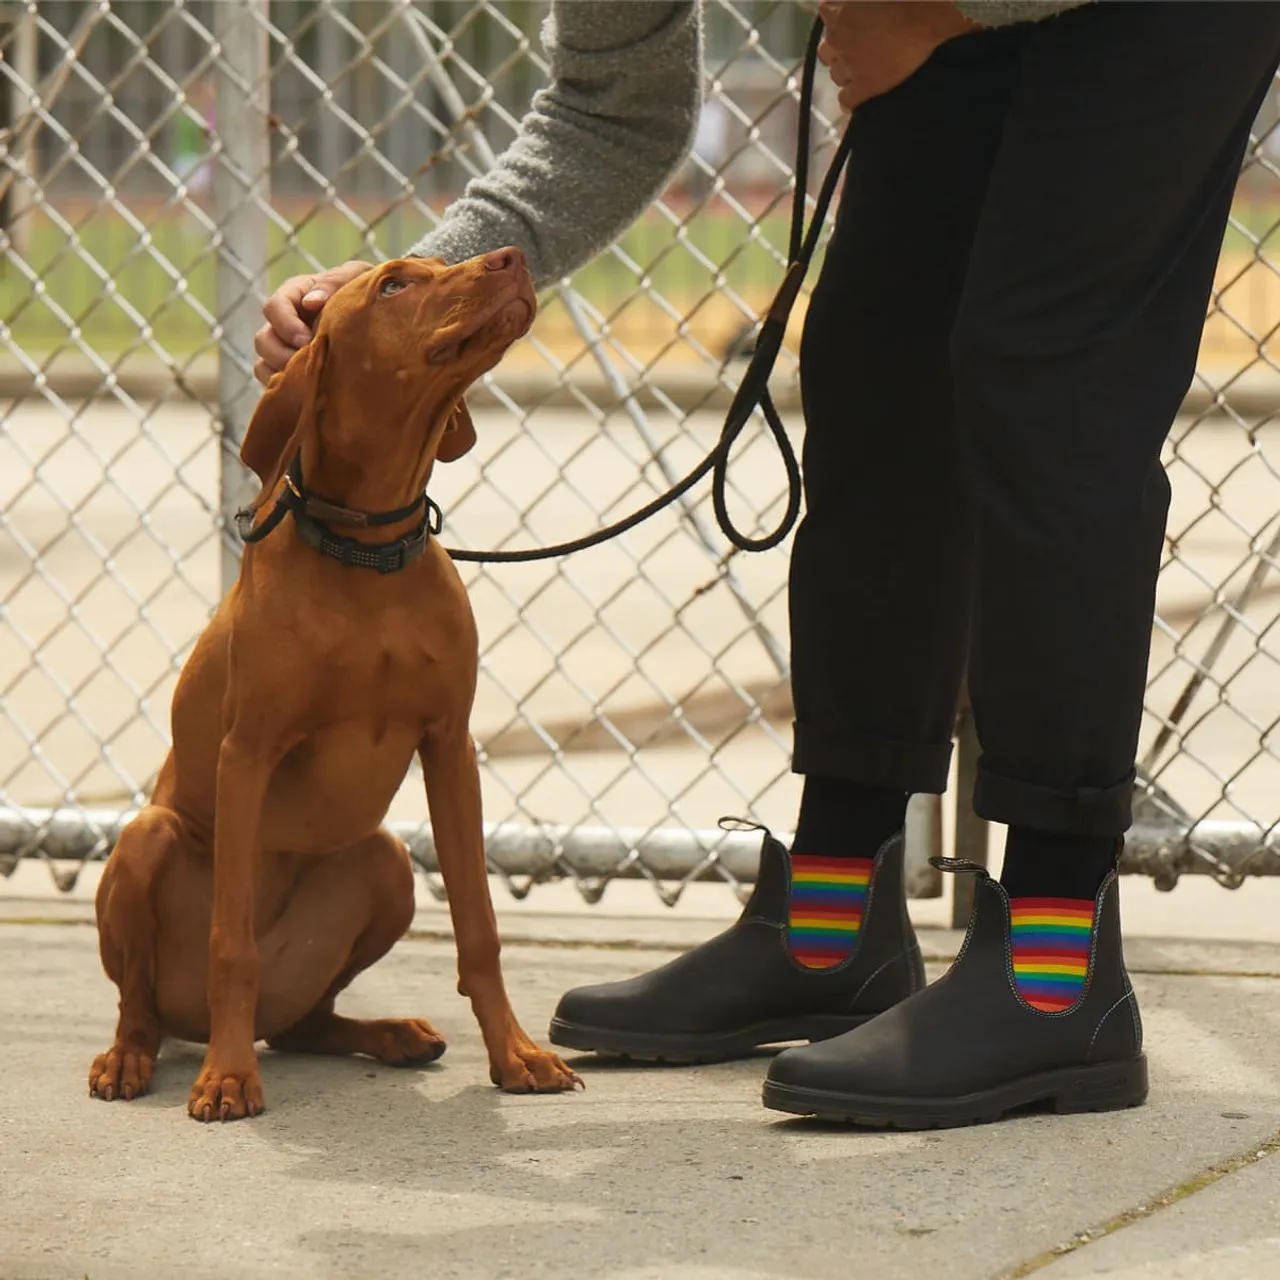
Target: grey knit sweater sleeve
608,131
598,143
1004,13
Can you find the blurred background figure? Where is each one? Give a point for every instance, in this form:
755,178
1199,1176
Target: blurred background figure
191,138
710,145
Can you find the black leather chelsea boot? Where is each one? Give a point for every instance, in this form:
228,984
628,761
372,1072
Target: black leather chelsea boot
972,1046
745,987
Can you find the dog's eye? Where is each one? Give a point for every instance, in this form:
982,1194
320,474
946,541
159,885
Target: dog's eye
391,285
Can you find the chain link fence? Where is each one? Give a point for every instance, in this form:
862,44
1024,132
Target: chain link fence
164,165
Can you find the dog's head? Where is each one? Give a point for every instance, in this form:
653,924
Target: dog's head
382,381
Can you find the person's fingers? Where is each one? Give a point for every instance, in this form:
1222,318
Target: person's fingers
283,310
292,309
291,312
273,352
327,283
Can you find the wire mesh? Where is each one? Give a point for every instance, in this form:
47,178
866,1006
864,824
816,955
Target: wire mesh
166,164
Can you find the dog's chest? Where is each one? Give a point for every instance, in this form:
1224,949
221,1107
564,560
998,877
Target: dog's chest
336,785
371,706
385,671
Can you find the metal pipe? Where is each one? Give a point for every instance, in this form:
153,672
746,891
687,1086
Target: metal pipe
922,841
22,155
241,191
1163,851
331,145
972,832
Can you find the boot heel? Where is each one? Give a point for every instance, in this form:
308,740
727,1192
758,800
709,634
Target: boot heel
1109,1086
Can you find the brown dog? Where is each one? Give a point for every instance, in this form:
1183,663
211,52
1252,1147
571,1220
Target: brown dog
258,882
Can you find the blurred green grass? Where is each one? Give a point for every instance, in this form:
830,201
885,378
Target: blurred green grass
99,304
131,280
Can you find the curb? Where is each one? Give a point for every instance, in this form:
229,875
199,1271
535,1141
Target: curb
596,929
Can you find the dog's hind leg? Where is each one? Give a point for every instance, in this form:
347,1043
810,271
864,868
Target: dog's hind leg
127,934
367,892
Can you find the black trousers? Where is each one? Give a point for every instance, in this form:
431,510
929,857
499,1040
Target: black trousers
1005,324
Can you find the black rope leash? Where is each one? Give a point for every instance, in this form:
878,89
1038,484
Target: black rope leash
753,391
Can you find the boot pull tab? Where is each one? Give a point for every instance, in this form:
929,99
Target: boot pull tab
959,866
741,824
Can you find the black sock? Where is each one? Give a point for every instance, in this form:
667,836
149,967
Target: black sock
1055,864
842,819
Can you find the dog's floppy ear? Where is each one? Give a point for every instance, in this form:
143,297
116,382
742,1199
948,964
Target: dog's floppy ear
288,410
459,434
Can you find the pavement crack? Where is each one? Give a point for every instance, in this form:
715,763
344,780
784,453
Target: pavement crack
1170,972
1157,1204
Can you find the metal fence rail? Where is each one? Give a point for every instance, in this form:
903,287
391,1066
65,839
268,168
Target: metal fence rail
163,165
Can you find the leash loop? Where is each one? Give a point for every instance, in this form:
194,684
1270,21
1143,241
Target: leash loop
310,511
753,390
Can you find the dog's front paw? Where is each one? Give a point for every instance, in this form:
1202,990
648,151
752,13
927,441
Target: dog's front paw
120,1073
527,1069
225,1095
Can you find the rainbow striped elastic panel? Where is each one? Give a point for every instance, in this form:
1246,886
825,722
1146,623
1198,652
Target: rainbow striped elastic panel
1051,938
828,896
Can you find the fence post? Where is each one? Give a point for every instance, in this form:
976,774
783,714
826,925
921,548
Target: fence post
922,841
331,142
971,831
241,192
26,72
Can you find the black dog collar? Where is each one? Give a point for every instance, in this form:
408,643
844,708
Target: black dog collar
312,515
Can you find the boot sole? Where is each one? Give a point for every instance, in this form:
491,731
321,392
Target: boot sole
1108,1086
683,1050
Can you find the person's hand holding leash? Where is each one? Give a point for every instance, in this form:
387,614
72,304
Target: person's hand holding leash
870,46
292,311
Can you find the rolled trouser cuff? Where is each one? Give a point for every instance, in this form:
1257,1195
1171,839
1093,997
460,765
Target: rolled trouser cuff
1084,811
919,768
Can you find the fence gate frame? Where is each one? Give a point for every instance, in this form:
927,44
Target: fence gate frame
1166,842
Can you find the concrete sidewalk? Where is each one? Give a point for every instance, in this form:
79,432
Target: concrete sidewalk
361,1170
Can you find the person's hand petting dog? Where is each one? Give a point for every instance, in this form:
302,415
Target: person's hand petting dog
870,46
291,313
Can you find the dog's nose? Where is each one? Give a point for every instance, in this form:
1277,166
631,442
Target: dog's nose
503,259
